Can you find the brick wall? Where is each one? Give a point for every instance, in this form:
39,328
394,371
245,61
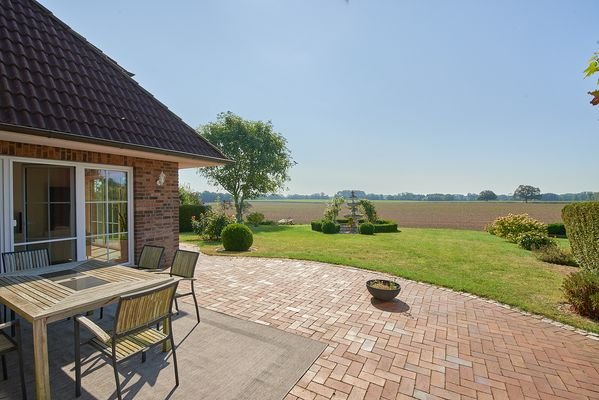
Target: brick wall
156,208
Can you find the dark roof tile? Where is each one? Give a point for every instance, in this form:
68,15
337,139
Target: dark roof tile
51,79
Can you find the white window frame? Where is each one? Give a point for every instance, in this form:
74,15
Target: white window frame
7,243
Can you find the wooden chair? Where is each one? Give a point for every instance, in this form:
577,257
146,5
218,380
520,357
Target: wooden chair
150,257
184,265
7,345
23,260
26,259
133,332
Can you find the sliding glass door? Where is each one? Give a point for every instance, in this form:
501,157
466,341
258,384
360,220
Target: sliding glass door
76,211
106,215
44,210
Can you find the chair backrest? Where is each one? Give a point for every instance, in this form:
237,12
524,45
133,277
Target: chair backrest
184,263
150,257
26,259
145,308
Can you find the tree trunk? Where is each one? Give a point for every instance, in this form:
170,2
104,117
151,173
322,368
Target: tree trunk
238,209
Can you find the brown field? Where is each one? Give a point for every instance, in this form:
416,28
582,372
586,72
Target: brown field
459,215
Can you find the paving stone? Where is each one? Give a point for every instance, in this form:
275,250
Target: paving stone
429,343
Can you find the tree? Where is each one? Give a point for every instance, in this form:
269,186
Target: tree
261,158
591,69
333,208
527,192
188,196
487,195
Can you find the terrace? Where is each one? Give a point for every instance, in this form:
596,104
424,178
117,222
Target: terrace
429,343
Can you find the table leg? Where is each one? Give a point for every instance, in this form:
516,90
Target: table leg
40,356
166,346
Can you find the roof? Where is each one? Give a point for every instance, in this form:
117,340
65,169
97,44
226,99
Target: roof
55,83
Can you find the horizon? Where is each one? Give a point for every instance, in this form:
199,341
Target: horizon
399,97
331,194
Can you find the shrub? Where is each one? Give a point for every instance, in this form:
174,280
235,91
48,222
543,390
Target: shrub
512,226
582,291
255,218
316,226
268,222
582,226
369,210
366,228
387,227
555,255
557,229
532,240
186,211
237,237
330,227
211,224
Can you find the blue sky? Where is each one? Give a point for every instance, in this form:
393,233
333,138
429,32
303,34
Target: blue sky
382,96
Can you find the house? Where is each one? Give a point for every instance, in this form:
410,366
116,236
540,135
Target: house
89,160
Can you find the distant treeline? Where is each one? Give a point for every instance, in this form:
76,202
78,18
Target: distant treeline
211,197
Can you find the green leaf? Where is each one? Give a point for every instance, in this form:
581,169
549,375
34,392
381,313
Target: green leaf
591,69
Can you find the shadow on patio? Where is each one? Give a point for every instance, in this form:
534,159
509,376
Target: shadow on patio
221,358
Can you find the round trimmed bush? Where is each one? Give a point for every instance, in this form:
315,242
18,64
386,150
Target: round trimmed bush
237,237
316,225
330,227
366,228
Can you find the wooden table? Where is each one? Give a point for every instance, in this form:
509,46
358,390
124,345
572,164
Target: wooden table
45,299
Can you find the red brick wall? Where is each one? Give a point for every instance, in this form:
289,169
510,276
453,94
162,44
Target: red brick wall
156,208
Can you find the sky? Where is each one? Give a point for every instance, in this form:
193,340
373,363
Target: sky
382,96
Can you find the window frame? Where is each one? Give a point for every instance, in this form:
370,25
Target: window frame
8,242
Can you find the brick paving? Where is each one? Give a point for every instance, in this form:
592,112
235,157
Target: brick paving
429,344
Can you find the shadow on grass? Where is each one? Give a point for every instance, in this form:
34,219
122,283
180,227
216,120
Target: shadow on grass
393,306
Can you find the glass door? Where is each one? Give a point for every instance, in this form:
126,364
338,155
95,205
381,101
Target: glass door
106,215
44,210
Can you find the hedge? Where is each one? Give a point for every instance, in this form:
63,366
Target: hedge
557,229
388,227
330,227
582,226
366,228
186,211
316,226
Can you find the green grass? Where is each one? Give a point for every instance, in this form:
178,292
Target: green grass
469,261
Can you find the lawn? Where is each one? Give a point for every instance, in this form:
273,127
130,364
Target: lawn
469,261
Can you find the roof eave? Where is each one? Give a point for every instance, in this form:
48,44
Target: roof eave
206,160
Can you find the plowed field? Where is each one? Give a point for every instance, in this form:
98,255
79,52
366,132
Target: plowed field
458,215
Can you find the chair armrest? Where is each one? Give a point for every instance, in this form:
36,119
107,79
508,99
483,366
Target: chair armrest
93,328
181,278
8,324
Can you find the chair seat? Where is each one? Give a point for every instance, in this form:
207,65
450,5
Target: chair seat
130,345
6,344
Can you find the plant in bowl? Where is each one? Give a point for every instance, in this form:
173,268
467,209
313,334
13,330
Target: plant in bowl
382,289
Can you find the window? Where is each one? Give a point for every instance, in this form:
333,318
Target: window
106,215
44,211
